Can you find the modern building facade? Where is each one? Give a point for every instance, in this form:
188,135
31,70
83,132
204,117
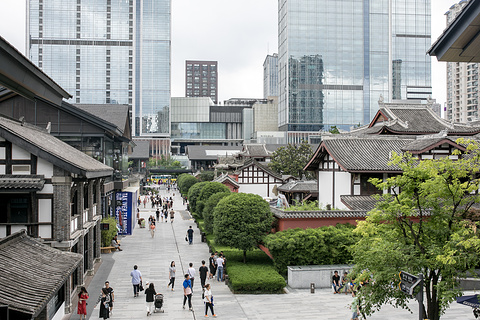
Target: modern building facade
462,82
270,76
201,79
337,58
114,52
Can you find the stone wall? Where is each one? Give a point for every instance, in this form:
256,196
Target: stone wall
300,277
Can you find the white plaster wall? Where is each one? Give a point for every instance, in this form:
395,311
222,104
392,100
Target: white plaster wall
16,228
325,188
47,188
2,153
2,169
19,154
45,231
342,187
44,167
260,189
3,231
44,210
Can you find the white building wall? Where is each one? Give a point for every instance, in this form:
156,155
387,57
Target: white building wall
325,179
342,187
19,154
45,168
260,189
326,188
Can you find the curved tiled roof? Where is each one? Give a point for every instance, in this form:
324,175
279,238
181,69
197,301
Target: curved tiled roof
32,272
281,214
31,182
299,186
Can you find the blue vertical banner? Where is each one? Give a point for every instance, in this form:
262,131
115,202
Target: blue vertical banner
123,212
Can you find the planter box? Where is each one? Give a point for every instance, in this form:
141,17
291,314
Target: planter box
300,277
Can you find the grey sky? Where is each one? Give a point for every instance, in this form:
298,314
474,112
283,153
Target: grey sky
238,34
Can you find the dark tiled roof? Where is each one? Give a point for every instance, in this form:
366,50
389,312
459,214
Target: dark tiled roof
210,152
365,203
417,119
117,114
281,214
32,182
365,154
32,272
421,144
300,186
141,150
255,150
40,143
225,177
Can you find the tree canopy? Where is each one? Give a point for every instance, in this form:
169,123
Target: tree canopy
292,159
166,162
184,182
426,228
209,207
241,221
209,189
193,194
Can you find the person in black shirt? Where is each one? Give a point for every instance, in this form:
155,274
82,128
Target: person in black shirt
203,270
150,298
190,235
336,282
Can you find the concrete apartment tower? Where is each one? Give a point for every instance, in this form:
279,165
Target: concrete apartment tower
336,59
462,82
108,52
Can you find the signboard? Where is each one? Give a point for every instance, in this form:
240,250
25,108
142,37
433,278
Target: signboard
125,207
408,282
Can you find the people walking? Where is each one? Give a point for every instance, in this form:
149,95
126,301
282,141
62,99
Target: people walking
190,235
212,265
172,215
191,273
104,300
208,299
150,298
111,294
82,303
171,275
136,280
152,228
220,262
187,292
203,271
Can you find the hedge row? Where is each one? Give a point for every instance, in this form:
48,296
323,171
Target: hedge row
325,245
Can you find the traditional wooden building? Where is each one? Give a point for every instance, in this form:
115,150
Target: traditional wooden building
228,181
51,190
37,280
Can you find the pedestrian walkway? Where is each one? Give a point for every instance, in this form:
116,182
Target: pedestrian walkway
153,257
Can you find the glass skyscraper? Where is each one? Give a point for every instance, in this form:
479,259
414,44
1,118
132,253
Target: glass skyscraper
270,76
110,51
336,58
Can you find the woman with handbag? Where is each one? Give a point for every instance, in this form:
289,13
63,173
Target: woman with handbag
208,299
104,304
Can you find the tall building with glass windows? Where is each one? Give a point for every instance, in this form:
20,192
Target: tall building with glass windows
110,51
462,82
201,79
337,58
270,76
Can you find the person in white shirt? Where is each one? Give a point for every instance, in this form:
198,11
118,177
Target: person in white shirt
208,299
220,262
191,273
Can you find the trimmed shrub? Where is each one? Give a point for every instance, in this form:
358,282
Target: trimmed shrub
254,278
325,245
210,205
107,235
193,194
209,189
185,182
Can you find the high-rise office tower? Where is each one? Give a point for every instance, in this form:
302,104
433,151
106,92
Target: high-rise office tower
270,76
336,58
462,82
110,51
201,79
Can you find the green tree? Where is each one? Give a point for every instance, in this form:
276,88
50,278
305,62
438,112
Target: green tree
208,209
334,130
184,182
166,162
193,194
425,228
209,189
291,159
241,221
206,176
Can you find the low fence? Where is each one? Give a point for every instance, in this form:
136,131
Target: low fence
300,277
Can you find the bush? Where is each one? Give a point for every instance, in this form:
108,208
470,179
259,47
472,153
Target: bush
325,245
254,278
185,182
107,235
209,189
210,205
193,194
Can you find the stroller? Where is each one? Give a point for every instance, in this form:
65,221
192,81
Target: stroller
159,302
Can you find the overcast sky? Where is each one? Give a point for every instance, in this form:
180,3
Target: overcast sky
238,34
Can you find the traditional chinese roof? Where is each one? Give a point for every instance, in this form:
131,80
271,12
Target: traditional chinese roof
226,178
253,162
310,186
39,142
32,272
255,151
413,119
116,114
365,203
141,150
24,182
326,214
210,152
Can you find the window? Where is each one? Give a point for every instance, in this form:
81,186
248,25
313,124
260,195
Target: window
14,208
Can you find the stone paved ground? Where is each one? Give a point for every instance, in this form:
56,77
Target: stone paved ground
153,256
